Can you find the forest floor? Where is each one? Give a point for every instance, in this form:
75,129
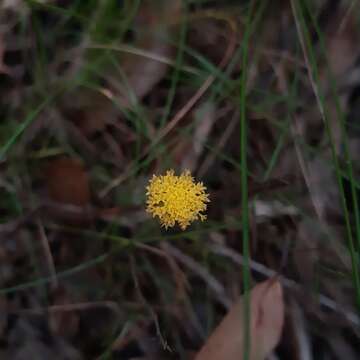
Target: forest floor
259,100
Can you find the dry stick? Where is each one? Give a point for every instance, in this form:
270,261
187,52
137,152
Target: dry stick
346,16
67,307
148,306
47,253
143,53
14,225
126,336
304,345
183,283
202,272
178,116
262,269
86,212
283,55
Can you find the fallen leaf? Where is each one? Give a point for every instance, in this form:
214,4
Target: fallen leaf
67,182
266,323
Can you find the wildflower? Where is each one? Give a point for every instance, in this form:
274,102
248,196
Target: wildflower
176,199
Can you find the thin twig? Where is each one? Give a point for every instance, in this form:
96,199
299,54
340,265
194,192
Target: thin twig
202,272
47,253
67,307
179,275
346,17
154,316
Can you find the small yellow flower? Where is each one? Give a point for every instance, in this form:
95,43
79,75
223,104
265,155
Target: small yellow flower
176,199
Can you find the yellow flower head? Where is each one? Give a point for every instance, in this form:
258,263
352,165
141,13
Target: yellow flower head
176,199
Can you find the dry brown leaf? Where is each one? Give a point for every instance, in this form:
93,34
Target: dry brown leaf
68,182
267,318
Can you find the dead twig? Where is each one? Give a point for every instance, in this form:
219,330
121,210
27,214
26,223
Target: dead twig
148,306
202,272
51,271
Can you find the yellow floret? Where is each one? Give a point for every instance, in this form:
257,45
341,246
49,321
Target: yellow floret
176,199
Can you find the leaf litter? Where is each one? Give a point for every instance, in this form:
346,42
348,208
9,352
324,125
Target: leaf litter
72,182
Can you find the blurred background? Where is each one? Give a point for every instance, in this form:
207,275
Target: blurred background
260,100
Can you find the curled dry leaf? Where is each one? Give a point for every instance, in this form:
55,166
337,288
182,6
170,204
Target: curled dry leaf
267,318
